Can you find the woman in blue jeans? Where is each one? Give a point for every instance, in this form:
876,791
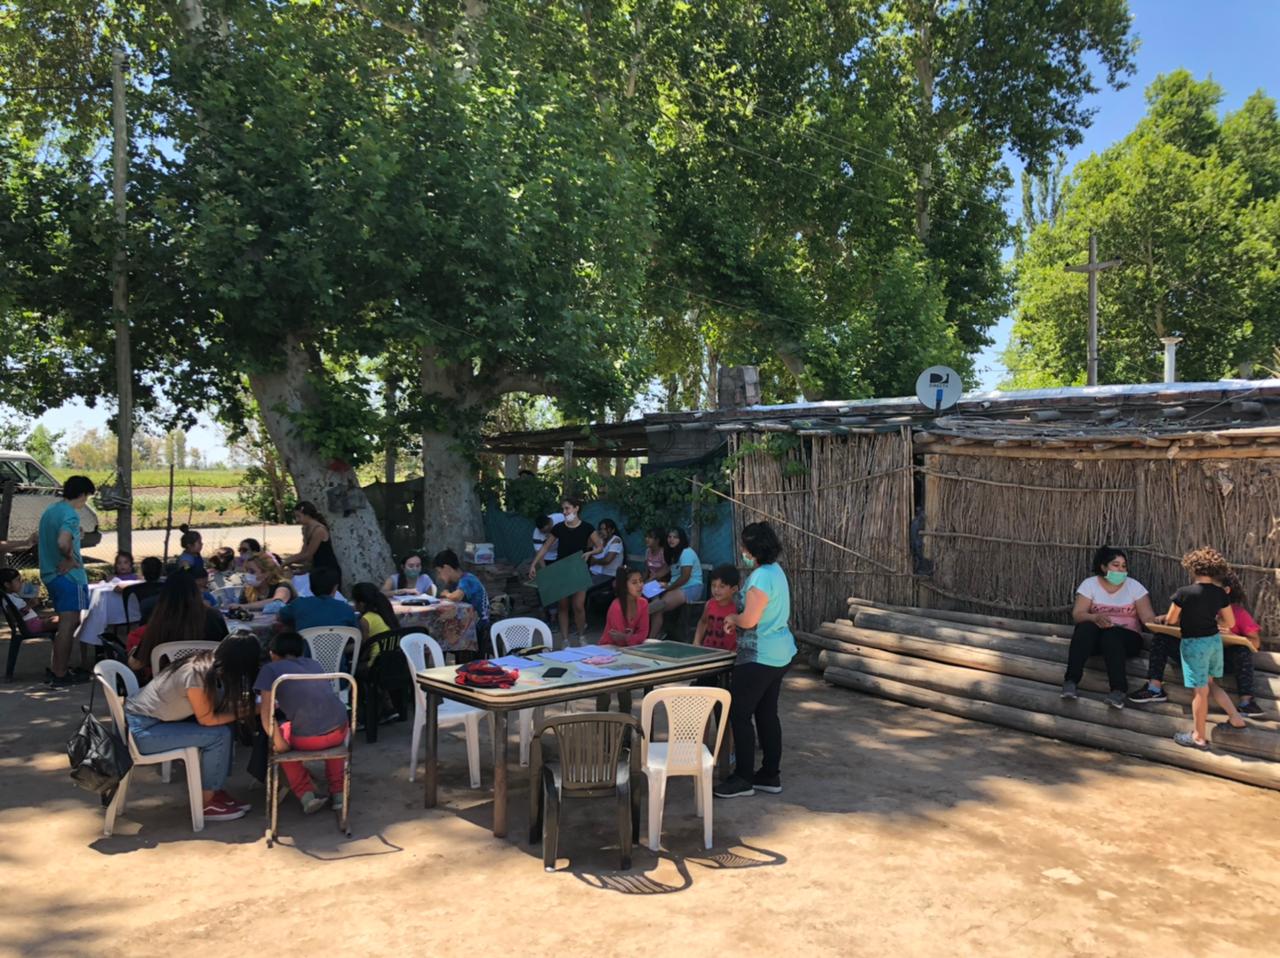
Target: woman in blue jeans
765,650
193,702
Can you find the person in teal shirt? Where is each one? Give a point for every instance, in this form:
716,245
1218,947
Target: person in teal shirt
62,572
766,647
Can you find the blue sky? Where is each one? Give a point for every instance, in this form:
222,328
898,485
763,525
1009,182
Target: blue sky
1233,40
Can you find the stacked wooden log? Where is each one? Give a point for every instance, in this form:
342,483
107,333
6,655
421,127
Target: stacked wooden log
1009,672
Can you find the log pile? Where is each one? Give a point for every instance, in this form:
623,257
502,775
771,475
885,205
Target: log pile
1009,672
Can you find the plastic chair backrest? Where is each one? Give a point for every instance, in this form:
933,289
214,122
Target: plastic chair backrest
14,618
167,652
415,647
511,634
589,747
335,677
688,710
328,642
107,674
137,592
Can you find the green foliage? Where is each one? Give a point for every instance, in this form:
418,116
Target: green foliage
1197,233
42,445
259,497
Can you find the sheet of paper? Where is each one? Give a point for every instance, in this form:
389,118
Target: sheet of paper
569,655
651,589
584,671
513,662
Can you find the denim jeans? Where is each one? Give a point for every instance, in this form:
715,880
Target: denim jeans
151,735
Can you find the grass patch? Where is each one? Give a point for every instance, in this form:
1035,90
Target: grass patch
146,478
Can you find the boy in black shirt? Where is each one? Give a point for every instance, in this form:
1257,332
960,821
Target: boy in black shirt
1204,611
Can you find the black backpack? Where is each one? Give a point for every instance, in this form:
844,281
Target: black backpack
98,755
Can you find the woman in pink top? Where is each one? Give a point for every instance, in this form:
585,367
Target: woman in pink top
1108,612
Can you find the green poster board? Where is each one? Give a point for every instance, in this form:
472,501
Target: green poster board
562,578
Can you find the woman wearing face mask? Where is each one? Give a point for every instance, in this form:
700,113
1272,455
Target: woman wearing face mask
264,581
572,535
1109,611
410,580
766,647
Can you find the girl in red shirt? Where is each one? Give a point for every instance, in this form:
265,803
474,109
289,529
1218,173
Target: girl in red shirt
627,622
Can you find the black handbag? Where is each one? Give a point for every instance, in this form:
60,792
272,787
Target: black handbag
98,755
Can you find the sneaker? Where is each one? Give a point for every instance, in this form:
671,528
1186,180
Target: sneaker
336,801
1146,695
1250,710
1116,699
226,799
217,811
767,783
64,681
733,787
1070,690
312,803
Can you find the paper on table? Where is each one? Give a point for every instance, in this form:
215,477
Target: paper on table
585,671
651,589
513,662
570,655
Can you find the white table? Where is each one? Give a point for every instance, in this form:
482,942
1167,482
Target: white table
106,608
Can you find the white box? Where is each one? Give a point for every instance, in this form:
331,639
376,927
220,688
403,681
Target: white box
478,553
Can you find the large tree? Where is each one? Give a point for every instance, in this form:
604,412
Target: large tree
1188,203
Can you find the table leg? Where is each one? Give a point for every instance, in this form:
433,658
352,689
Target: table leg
431,773
500,774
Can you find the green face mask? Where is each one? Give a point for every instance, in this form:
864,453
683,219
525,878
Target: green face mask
1116,578
748,562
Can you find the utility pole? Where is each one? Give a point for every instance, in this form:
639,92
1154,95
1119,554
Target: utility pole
1093,268
120,306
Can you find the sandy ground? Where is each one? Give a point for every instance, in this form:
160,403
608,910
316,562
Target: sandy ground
901,832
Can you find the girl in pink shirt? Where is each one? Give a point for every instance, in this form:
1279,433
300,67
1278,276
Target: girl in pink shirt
627,622
1236,659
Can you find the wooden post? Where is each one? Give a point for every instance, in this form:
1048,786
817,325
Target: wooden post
510,467
568,468
168,522
1093,268
119,308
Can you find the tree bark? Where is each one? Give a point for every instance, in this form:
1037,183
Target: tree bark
452,516
358,541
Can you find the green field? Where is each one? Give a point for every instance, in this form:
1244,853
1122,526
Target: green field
149,478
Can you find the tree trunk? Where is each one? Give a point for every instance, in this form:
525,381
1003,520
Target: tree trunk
795,366
452,516
358,541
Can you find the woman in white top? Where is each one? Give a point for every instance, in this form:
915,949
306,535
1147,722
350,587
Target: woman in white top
605,563
410,580
1109,611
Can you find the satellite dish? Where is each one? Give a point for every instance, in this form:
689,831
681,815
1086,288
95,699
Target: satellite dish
939,387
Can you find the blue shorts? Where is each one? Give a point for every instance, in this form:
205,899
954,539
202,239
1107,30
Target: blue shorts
1201,660
67,594
692,593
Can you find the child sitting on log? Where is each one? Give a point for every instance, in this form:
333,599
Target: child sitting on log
1237,658
1203,609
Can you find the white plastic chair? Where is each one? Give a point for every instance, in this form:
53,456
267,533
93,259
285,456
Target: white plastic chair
415,647
107,673
328,642
684,752
508,636
167,652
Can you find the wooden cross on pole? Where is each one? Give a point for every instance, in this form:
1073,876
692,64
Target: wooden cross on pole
1093,268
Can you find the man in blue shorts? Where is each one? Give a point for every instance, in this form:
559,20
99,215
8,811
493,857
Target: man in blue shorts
62,572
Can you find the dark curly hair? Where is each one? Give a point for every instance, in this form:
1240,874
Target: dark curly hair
1234,586
1206,561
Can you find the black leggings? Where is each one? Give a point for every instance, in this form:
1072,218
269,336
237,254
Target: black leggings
1115,644
755,690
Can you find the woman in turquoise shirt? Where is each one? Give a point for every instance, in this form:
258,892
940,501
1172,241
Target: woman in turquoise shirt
765,650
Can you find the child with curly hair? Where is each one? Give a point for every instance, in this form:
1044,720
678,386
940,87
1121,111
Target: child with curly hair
1203,609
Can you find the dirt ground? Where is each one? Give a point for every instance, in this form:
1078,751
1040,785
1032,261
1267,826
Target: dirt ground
900,832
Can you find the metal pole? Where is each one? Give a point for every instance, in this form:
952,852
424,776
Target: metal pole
1093,311
1093,268
120,306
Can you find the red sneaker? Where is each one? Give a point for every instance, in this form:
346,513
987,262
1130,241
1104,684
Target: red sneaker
218,811
226,799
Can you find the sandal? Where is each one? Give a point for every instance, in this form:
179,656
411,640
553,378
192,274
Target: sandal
1189,740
